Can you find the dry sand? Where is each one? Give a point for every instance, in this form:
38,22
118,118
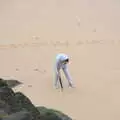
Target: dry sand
88,31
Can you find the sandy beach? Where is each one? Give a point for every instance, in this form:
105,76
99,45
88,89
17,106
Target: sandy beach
34,31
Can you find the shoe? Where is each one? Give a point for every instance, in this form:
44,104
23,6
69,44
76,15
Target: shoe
71,85
56,87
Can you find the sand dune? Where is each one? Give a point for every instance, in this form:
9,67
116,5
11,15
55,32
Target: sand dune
33,32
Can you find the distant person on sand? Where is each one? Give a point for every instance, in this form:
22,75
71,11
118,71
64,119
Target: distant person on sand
61,63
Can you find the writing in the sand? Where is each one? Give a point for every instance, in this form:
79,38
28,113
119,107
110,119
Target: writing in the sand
66,43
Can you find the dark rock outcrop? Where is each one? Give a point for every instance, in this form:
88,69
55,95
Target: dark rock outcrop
18,116
13,83
16,106
3,83
7,96
9,83
52,114
24,103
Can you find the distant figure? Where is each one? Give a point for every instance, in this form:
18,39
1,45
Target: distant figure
61,63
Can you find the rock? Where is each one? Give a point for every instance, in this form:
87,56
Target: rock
9,83
16,106
26,104
50,114
22,115
4,108
2,113
47,114
13,83
8,96
3,83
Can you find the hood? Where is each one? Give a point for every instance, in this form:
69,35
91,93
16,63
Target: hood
63,57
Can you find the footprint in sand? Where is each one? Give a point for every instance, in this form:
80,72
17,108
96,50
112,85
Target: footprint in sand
37,70
29,85
94,30
17,69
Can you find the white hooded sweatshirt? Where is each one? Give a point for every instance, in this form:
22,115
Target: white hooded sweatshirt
59,65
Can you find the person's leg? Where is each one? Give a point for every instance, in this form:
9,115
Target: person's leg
57,74
68,77
56,79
